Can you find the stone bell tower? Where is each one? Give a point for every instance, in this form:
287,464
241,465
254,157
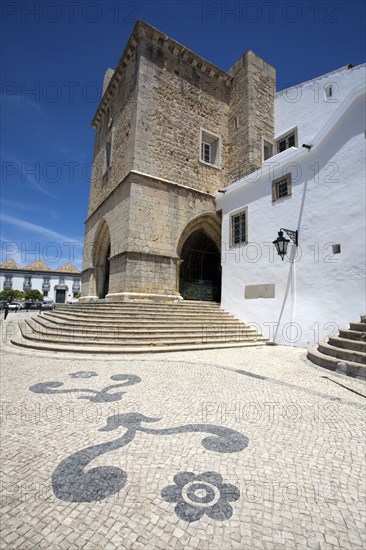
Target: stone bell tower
170,131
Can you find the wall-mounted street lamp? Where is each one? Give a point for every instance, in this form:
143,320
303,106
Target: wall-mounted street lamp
281,243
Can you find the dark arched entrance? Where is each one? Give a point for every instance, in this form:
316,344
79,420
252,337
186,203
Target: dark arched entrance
102,252
200,270
106,273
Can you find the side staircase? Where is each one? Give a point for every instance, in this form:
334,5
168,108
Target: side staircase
127,327
344,353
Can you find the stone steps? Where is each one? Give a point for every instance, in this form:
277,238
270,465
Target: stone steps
128,328
140,306
131,340
147,316
121,330
136,324
338,342
344,353
352,335
186,304
361,327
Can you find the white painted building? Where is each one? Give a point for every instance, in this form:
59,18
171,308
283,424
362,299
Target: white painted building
318,190
60,285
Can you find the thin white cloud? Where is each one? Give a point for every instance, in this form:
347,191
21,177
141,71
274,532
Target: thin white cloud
38,229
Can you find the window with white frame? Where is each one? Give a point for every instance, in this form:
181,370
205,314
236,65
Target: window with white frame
286,141
27,281
210,148
8,279
239,227
281,187
61,281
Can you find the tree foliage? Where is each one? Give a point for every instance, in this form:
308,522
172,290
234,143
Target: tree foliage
34,295
11,295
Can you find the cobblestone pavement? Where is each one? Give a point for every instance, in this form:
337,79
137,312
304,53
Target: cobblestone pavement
226,449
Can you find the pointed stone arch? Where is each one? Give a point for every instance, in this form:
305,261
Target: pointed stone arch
101,256
209,223
198,250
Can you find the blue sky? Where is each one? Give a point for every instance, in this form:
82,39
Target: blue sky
54,55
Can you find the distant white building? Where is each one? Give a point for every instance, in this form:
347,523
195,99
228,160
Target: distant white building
59,285
312,180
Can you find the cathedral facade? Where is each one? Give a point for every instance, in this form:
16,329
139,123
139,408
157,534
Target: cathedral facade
171,131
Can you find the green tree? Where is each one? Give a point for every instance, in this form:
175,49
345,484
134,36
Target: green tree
34,295
11,295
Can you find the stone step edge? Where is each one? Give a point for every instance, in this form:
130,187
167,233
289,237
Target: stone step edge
78,315
359,327
347,343
121,320
332,363
139,307
325,347
148,342
151,327
138,338
127,305
355,335
105,350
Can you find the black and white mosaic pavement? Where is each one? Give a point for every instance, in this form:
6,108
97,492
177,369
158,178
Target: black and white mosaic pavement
227,449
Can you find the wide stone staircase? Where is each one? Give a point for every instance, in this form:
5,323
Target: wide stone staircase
344,353
127,327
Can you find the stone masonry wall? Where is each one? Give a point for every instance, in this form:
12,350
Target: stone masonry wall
251,114
120,115
175,100
115,211
146,218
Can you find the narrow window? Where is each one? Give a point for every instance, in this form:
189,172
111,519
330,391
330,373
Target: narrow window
8,282
329,91
239,228
281,187
28,282
108,154
107,157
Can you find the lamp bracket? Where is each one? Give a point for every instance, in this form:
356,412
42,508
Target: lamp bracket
293,235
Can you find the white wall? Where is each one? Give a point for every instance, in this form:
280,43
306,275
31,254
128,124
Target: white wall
317,292
37,282
306,107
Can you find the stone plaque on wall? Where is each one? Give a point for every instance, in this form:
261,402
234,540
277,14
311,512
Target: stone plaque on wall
259,291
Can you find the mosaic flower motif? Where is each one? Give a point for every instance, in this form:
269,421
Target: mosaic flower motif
196,495
83,374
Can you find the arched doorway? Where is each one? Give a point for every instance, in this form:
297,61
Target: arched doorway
106,272
102,252
200,270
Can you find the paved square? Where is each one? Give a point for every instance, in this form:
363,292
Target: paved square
226,449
